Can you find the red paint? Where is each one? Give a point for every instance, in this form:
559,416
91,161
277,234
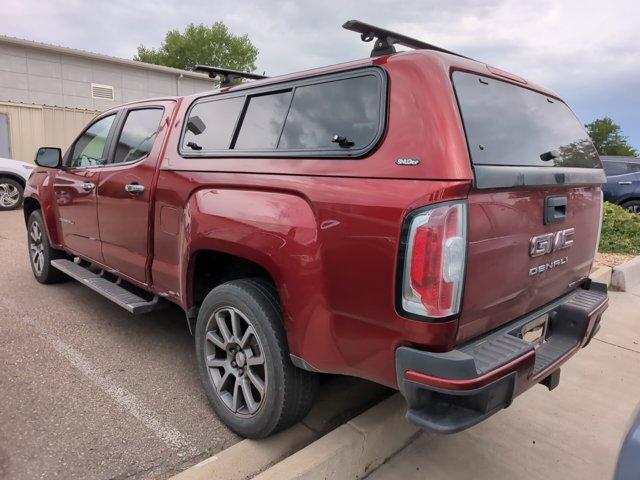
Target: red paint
471,383
126,243
326,230
500,226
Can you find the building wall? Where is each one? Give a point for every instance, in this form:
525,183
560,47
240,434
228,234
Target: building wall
29,75
35,126
47,94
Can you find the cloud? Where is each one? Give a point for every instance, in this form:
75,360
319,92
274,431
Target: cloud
586,50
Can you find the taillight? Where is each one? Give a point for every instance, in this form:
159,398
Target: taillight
434,260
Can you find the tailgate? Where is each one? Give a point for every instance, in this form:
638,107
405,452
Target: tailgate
503,280
535,209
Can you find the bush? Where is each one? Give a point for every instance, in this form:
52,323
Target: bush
620,231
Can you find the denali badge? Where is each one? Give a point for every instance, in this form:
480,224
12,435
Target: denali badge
547,266
550,242
407,161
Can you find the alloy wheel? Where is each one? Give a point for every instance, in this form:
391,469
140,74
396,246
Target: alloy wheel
9,195
235,361
36,248
634,209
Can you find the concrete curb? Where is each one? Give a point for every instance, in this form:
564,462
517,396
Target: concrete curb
353,450
602,275
626,276
249,457
338,400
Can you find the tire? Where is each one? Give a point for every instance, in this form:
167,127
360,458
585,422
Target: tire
632,206
248,351
11,194
41,253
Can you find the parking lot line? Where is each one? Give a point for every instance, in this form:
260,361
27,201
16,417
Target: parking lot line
168,434
173,438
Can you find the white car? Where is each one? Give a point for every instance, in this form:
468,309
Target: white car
13,177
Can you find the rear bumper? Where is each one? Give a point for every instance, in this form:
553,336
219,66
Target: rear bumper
452,391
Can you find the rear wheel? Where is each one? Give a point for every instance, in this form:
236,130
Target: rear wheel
11,194
244,363
40,251
632,206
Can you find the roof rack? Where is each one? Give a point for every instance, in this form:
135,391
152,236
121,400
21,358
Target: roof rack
226,76
386,39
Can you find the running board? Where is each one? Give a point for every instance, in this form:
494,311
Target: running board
111,290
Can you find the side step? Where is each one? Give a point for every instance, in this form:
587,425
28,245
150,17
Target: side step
113,291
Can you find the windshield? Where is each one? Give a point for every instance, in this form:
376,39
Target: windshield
511,125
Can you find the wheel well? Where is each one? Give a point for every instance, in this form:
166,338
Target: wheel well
30,205
626,200
211,268
13,177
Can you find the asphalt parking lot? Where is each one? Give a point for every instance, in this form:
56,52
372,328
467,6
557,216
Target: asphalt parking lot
89,391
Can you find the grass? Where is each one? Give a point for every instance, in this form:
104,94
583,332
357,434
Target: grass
620,231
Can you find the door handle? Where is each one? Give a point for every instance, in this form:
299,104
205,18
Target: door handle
134,188
88,186
625,183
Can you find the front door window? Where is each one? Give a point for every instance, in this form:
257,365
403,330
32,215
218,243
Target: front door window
90,150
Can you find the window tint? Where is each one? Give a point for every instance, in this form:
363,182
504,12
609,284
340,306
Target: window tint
138,134
620,168
210,124
511,125
615,168
90,149
349,108
263,121
633,167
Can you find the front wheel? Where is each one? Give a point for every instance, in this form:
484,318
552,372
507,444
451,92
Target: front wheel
632,206
11,194
244,363
40,251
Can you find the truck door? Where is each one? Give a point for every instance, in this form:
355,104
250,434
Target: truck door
125,189
75,188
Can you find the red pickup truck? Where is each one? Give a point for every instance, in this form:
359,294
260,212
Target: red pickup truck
418,219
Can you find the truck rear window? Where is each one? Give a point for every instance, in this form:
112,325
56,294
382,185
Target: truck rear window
510,125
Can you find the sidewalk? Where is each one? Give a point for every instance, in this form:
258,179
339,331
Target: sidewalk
572,432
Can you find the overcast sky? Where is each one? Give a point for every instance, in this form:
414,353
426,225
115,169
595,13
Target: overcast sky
587,51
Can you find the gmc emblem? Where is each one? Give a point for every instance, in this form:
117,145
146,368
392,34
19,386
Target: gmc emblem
550,242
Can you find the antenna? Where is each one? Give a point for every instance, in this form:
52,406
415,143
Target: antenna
226,76
386,39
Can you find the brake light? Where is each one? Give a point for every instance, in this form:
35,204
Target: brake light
434,260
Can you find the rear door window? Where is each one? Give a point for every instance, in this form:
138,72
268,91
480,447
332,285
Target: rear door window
509,125
615,168
138,134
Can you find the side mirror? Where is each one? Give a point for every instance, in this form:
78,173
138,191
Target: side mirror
49,157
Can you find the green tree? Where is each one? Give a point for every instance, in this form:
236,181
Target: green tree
201,44
608,138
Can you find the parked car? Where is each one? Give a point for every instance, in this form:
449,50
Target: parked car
418,219
628,466
13,178
623,181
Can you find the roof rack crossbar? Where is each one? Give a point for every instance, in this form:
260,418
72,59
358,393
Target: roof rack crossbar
226,75
386,39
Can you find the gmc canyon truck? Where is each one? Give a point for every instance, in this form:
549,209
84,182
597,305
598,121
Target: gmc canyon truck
418,219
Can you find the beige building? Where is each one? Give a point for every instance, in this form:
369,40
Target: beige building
49,93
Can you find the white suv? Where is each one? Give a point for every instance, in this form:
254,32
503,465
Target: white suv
13,177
